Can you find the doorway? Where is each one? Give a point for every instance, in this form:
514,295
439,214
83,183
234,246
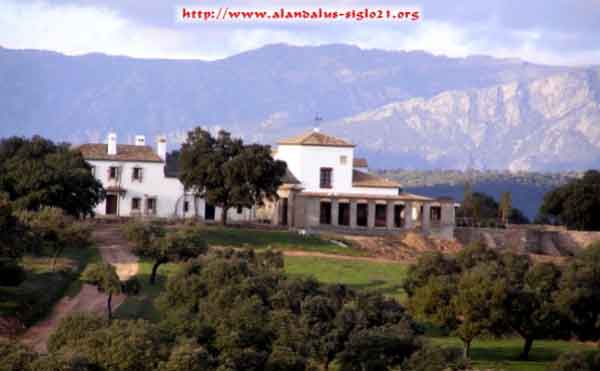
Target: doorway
112,204
209,212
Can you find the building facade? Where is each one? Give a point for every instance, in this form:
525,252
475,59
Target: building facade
325,187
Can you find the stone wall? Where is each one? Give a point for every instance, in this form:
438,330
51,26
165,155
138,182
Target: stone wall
535,239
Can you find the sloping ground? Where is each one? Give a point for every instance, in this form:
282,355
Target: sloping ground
113,249
406,246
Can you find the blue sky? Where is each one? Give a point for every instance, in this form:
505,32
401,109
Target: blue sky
542,31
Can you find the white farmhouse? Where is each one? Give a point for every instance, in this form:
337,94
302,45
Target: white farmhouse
325,187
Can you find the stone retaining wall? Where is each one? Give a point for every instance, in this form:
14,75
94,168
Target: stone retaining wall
535,239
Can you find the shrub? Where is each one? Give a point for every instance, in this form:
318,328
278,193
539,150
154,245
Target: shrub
576,361
73,328
430,358
50,230
15,357
142,233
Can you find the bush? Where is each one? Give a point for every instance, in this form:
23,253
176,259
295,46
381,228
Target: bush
141,233
15,357
32,299
73,328
50,230
576,361
430,358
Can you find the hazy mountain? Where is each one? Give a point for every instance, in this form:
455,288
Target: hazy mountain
551,123
274,87
421,109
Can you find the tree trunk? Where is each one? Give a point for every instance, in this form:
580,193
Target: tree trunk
54,258
325,366
154,271
109,306
526,348
467,349
224,210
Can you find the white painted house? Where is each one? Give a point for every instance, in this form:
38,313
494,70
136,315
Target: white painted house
325,187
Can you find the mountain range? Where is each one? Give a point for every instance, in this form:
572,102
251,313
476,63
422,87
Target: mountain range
403,109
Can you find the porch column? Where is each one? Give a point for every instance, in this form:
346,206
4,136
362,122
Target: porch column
290,210
371,216
408,215
426,217
352,213
390,214
334,212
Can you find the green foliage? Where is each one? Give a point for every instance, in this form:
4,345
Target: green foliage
576,361
143,233
37,172
11,231
481,291
104,277
579,295
51,231
505,207
484,210
188,356
252,317
228,173
153,242
74,327
431,358
118,345
574,204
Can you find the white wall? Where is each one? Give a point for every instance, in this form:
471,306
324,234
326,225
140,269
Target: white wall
305,163
169,192
154,184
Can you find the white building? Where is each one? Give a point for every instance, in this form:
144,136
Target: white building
325,187
136,183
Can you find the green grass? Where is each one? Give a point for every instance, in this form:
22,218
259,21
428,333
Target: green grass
33,299
385,278
281,240
502,354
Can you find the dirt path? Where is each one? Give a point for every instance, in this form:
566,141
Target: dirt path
113,249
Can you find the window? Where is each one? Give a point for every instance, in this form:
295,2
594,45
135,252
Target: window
380,215
186,206
135,204
240,209
113,173
151,205
344,213
343,160
325,178
325,214
136,174
362,215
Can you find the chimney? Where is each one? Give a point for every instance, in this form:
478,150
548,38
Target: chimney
161,147
140,140
112,143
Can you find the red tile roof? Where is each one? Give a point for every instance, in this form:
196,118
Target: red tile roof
360,162
366,180
125,152
314,138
